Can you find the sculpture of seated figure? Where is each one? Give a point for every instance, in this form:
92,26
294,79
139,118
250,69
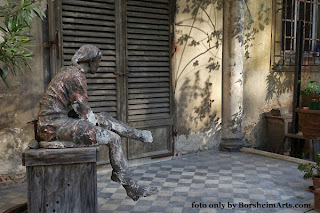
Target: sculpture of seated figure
67,92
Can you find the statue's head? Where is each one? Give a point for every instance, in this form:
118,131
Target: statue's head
88,55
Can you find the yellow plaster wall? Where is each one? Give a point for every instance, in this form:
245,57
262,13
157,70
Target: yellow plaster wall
259,94
197,89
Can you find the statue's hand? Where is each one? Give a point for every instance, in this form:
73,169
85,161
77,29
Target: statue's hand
103,122
146,136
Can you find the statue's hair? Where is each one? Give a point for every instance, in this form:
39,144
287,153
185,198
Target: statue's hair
86,53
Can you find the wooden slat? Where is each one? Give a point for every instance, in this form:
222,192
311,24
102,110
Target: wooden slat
148,20
88,22
104,109
147,42
148,116
88,40
109,93
147,26
38,157
148,101
148,90
87,28
99,74
150,74
149,53
149,37
146,106
93,98
148,95
101,87
148,111
144,4
102,1
149,85
88,34
149,80
156,1
90,4
148,58
150,48
147,10
87,10
87,16
148,64
104,70
149,69
147,31
103,104
101,81
147,15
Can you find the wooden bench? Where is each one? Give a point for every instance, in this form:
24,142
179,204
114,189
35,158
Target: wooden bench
61,180
314,143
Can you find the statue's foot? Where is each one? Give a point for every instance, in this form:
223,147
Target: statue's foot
135,191
115,178
124,178
146,136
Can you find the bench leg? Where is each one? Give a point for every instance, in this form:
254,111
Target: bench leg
281,146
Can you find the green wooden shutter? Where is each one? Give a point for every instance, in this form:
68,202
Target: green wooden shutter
148,36
93,22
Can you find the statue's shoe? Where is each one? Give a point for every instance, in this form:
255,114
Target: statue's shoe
135,191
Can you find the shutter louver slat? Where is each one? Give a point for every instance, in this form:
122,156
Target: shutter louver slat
88,34
132,103
143,9
149,4
87,28
93,22
75,8
148,85
91,4
146,15
148,38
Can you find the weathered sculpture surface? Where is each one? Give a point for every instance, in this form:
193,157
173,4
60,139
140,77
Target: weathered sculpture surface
66,93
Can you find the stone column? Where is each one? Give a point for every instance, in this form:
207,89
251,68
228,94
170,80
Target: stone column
232,78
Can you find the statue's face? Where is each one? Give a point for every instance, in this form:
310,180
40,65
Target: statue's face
94,65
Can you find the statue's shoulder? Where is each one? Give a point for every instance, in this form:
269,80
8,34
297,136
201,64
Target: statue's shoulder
71,71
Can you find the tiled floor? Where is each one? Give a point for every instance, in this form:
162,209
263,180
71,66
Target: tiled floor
211,178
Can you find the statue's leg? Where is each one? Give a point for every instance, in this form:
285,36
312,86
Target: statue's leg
120,172
105,119
85,133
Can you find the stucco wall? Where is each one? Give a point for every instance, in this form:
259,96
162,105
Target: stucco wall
198,61
261,85
19,105
197,68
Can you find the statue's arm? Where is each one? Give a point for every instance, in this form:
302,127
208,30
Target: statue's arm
79,99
